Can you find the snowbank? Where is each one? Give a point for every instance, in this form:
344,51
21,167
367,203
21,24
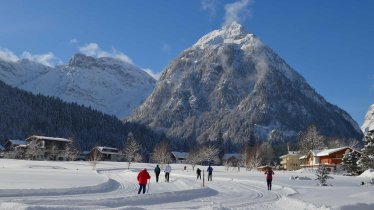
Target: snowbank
368,173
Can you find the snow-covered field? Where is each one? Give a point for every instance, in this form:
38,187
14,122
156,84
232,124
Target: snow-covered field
75,185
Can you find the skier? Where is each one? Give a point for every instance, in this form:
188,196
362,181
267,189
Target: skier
269,177
143,177
167,171
157,172
198,172
210,173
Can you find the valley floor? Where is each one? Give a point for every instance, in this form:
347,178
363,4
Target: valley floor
75,185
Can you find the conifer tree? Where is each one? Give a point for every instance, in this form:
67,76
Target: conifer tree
349,162
322,175
367,158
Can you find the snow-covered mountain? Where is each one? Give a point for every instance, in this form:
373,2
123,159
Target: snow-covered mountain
106,84
230,82
369,120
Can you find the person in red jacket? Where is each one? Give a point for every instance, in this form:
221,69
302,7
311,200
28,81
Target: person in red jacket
143,177
269,177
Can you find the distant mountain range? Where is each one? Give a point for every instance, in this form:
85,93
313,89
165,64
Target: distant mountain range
230,82
369,120
106,84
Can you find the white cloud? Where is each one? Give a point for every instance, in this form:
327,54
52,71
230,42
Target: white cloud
48,59
73,41
7,55
153,74
210,6
237,11
93,49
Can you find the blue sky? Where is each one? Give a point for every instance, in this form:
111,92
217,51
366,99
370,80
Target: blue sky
331,43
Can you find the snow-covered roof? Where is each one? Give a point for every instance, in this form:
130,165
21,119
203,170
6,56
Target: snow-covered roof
326,152
330,151
1,147
108,150
230,155
315,152
17,141
48,138
180,155
291,153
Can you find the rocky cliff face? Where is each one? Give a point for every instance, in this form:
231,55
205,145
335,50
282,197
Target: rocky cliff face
230,81
369,120
106,84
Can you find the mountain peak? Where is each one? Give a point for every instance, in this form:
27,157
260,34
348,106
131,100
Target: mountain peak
231,33
81,60
234,29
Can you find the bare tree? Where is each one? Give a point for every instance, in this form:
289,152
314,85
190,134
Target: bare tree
32,150
310,140
267,153
195,157
255,157
138,158
161,153
354,143
53,151
71,151
210,153
131,149
94,157
244,157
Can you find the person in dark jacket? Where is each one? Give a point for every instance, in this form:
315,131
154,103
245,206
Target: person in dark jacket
198,172
210,173
269,177
143,177
157,172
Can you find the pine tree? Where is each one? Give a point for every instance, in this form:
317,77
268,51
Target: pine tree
322,175
367,158
349,162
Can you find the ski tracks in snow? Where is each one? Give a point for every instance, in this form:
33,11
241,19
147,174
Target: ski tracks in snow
183,192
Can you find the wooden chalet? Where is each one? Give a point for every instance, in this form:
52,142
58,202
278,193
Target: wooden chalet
105,153
50,148
232,159
179,157
12,143
331,158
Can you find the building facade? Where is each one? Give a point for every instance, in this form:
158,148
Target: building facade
290,161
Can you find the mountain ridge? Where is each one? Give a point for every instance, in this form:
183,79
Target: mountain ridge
106,84
230,82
